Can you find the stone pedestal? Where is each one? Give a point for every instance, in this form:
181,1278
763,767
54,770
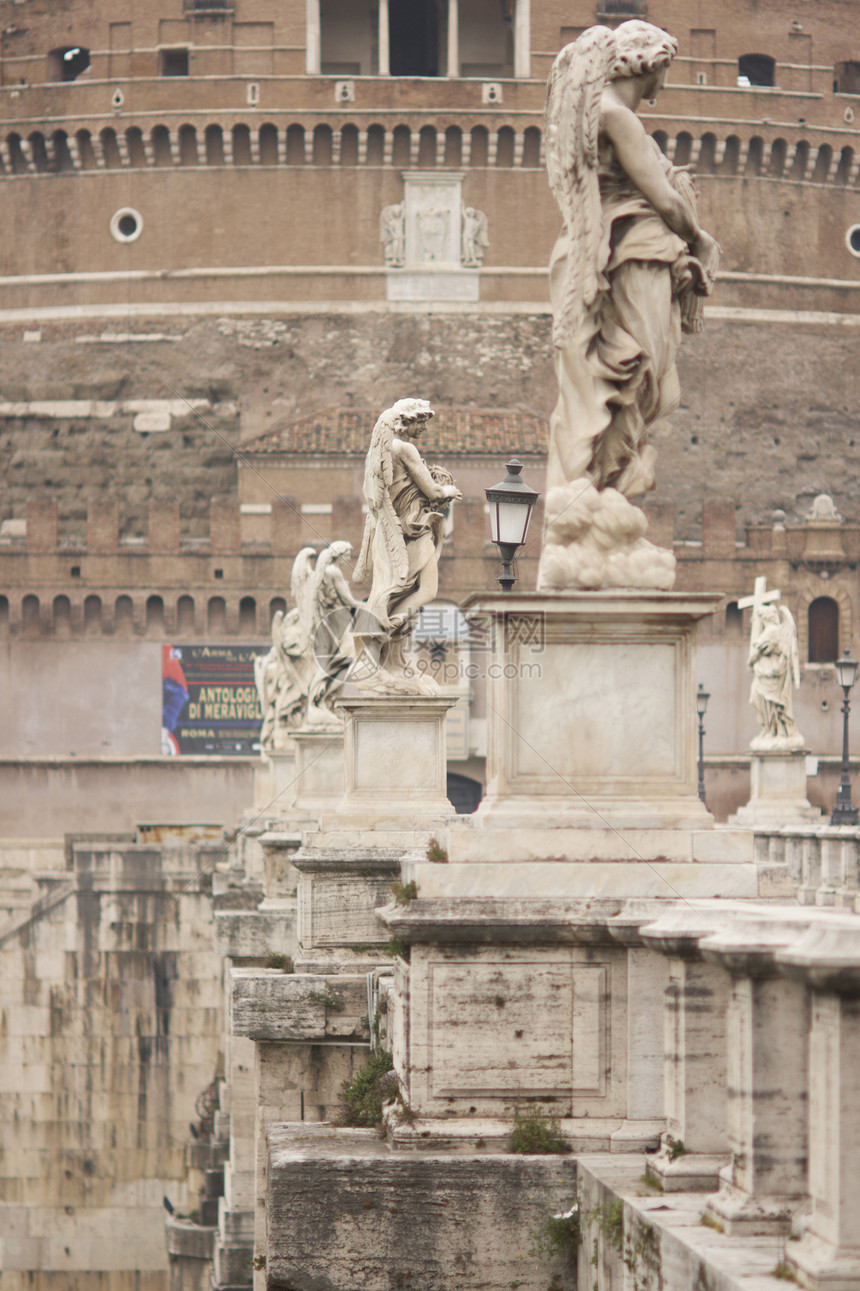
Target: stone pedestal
319,769
511,1005
777,792
395,768
591,747
393,801
275,781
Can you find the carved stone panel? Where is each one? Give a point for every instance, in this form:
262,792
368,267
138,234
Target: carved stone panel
500,1025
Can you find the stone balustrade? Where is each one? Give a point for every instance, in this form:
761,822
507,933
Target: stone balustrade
762,1039
821,861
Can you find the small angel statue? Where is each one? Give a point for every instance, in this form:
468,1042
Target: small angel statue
300,678
775,664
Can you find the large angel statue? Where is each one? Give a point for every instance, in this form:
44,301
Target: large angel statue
407,501
775,664
627,275
300,678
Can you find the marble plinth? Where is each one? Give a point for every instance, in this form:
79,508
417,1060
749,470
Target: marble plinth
319,769
275,780
777,791
591,724
395,764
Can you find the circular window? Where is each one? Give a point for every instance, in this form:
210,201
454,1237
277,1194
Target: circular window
126,224
852,239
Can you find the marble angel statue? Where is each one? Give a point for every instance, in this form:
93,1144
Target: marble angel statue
775,663
301,676
407,501
334,607
282,675
627,275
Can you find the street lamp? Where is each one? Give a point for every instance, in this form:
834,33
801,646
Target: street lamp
702,698
511,506
845,813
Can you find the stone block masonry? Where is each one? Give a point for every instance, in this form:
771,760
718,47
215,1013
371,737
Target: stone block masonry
110,1017
346,1211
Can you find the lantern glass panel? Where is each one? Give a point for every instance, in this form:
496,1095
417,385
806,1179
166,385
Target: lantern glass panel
512,522
846,669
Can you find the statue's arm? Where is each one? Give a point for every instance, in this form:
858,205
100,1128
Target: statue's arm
637,156
413,464
342,588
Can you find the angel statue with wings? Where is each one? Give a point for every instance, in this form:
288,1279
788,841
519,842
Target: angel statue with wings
775,664
407,502
300,678
627,275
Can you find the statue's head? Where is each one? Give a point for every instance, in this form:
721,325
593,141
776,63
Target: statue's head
640,48
340,550
411,416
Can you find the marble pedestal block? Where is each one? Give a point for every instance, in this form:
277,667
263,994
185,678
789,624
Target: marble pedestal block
395,765
319,769
777,792
512,1004
275,780
591,713
394,800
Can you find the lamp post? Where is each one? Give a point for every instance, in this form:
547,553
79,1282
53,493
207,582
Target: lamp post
845,812
511,506
702,697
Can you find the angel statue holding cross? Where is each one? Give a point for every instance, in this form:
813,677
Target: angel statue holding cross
775,663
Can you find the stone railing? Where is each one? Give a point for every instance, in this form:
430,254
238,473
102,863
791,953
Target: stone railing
821,860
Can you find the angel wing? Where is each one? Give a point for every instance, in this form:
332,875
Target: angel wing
300,573
378,474
576,83
301,589
790,638
381,516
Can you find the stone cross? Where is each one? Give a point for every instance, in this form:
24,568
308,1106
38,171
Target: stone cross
760,597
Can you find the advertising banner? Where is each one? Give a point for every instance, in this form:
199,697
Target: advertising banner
209,700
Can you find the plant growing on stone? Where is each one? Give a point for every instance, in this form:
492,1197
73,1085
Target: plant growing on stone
276,960
399,949
404,892
559,1234
436,852
536,1135
609,1218
676,1148
365,1095
329,999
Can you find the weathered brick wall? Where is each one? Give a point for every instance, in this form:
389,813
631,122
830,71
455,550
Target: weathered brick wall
768,415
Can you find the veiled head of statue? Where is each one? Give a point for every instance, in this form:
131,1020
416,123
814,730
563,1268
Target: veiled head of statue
640,48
